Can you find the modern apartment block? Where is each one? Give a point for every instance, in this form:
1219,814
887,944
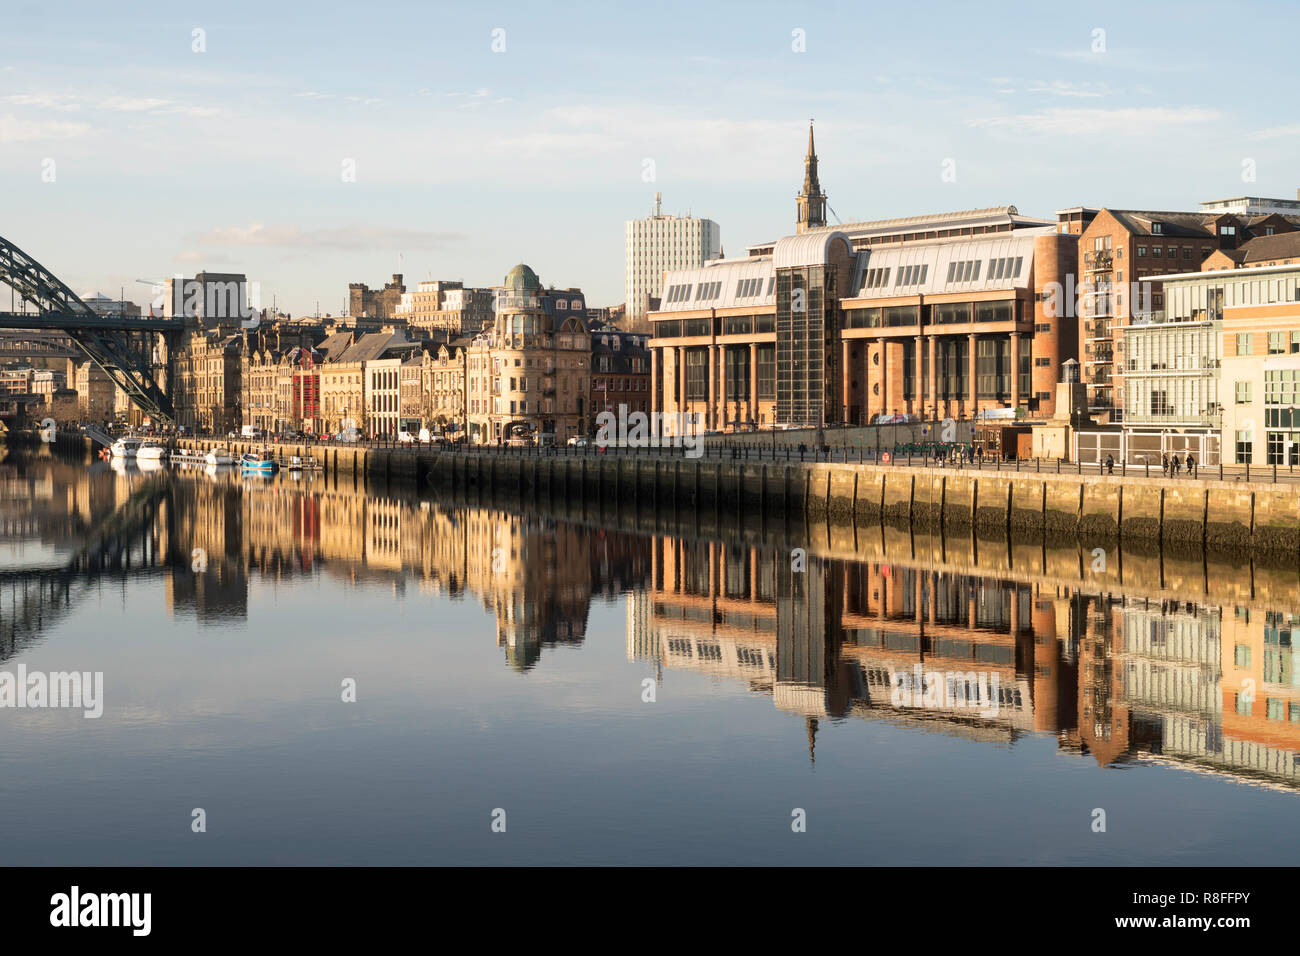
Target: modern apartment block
1221,359
659,244
1118,248
944,316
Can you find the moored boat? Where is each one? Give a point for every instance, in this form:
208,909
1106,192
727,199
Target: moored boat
219,456
258,463
125,447
151,451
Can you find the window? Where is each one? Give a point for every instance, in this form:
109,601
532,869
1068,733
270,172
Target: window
696,373
965,271
1245,448
1243,343
1142,252
911,275
1243,393
708,291
874,279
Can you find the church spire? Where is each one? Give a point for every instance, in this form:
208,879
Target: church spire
811,203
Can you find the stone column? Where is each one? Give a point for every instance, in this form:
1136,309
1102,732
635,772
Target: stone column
846,380
711,373
918,389
654,380
934,377
680,384
883,346
1015,369
973,373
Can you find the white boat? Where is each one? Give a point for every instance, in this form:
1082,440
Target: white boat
151,451
219,456
126,447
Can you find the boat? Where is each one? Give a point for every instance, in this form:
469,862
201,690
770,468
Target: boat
258,463
126,447
151,451
219,456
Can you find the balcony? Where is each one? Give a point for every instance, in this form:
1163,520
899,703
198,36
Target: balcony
1174,419
1098,261
1097,331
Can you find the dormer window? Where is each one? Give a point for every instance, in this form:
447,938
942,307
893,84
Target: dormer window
1157,229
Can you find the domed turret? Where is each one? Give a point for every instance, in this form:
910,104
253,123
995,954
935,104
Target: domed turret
522,279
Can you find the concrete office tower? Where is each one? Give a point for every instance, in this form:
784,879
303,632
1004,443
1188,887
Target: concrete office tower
660,244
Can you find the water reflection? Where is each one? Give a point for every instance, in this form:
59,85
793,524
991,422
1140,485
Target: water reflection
985,641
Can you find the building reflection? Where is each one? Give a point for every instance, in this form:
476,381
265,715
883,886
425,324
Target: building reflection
535,576
1112,678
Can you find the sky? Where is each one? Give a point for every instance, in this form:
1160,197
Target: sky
309,146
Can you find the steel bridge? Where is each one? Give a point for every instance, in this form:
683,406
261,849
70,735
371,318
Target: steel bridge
25,344
121,345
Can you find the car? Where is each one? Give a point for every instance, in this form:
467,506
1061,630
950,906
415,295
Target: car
579,441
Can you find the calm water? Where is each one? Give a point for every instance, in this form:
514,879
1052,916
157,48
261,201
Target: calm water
502,657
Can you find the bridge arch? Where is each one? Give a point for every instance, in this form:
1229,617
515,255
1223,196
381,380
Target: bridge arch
122,346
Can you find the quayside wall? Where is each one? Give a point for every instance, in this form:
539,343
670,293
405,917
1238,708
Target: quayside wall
1177,514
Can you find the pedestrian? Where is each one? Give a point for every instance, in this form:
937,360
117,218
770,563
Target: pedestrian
1175,463
1191,466
1110,464
1164,464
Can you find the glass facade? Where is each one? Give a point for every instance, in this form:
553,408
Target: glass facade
1172,373
805,333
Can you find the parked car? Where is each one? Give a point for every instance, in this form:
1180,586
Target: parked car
579,441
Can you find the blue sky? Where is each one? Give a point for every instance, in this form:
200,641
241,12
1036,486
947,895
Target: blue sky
467,160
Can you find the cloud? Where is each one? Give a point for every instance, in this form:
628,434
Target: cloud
47,101
15,130
133,104
1085,122
338,238
209,258
1062,88
1276,132
68,102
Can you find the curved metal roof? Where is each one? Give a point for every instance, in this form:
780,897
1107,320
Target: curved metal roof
810,249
